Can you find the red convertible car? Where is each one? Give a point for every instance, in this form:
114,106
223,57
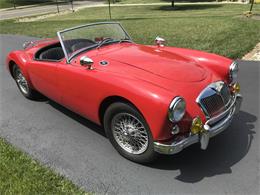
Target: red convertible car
149,99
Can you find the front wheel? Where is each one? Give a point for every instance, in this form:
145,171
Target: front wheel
129,133
23,84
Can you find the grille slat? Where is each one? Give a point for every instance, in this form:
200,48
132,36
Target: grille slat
225,93
215,98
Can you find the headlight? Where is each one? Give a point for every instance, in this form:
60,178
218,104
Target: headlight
233,71
177,109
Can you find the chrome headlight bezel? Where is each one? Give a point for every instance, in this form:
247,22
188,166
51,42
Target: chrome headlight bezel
233,71
177,109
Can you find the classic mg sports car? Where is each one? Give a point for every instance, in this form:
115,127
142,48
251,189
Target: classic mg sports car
149,99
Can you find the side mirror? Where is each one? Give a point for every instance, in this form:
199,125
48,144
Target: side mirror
159,41
85,61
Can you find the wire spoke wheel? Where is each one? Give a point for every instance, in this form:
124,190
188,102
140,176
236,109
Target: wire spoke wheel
130,133
21,81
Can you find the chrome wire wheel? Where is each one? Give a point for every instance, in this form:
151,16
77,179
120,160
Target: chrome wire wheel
130,133
21,81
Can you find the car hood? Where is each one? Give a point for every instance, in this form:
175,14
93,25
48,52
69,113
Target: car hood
158,62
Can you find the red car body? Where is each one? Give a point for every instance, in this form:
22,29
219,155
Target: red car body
148,77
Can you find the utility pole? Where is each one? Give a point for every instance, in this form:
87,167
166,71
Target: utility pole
14,4
109,9
71,2
57,4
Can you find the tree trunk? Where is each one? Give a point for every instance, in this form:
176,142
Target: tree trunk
57,5
251,7
172,3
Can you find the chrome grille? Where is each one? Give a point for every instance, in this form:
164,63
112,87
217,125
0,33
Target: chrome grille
213,104
225,94
214,99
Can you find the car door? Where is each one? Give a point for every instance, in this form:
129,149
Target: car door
43,75
80,88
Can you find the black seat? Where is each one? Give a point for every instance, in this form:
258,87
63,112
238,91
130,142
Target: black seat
55,53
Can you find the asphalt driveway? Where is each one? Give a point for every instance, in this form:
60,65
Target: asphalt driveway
79,149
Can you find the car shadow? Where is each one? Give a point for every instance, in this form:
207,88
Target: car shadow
83,121
195,164
224,150
40,98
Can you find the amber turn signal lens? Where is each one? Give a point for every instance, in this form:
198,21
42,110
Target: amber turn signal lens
235,88
197,125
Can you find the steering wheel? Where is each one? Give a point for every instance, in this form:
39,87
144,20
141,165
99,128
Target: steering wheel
105,40
82,44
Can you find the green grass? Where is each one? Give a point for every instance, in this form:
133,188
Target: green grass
19,174
10,3
213,28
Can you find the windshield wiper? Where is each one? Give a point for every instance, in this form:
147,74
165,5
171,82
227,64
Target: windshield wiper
126,40
106,40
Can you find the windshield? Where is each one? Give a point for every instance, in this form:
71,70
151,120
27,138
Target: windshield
81,38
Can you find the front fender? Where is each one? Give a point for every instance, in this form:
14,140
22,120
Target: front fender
150,100
215,63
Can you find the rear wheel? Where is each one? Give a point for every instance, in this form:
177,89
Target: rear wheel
23,84
129,133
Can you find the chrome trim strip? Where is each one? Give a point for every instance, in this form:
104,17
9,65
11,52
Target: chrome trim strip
177,146
63,47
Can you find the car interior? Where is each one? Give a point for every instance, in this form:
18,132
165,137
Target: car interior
54,52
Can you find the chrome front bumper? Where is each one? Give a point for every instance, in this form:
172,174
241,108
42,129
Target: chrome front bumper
212,127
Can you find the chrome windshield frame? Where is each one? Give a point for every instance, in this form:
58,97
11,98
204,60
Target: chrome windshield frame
68,59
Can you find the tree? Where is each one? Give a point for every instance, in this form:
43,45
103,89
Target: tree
172,3
251,7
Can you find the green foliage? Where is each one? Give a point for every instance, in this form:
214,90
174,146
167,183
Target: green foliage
19,174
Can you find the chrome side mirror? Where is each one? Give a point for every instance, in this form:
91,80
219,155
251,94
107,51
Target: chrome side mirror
86,61
159,41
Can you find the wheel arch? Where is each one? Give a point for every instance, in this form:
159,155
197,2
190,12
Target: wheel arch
109,101
21,59
11,63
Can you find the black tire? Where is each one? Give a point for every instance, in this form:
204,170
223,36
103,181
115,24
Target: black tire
114,110
26,90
